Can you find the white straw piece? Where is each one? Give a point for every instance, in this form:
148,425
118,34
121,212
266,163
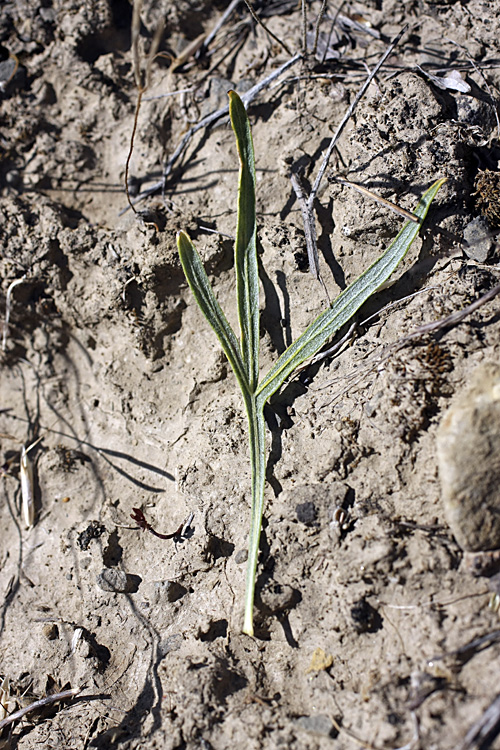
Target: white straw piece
27,489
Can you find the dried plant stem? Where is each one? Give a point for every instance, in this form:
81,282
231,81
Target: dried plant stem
8,303
304,26
483,732
131,149
318,24
307,204
209,120
37,705
261,23
222,20
383,202
142,79
348,115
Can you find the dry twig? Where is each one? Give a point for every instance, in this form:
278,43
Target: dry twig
261,23
481,734
8,299
62,696
142,79
308,205
383,202
348,115
209,120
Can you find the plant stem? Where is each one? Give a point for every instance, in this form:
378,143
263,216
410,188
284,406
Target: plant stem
257,442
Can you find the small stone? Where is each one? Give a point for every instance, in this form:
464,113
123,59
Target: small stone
113,579
319,724
468,452
50,631
478,240
241,556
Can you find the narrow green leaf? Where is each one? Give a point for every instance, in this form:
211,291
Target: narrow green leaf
203,293
245,249
346,304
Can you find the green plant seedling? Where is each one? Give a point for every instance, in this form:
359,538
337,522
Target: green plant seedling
243,354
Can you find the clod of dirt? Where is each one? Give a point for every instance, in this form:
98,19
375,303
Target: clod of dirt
88,647
93,531
468,450
277,597
365,618
320,661
483,564
488,195
306,513
172,590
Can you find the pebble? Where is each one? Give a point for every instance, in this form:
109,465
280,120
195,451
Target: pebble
479,242
13,178
468,452
241,556
113,579
319,724
50,631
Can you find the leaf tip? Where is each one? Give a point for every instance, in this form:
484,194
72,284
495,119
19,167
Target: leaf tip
234,100
182,238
